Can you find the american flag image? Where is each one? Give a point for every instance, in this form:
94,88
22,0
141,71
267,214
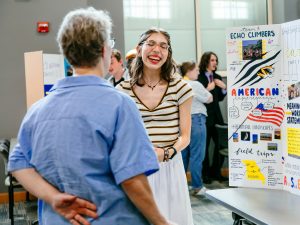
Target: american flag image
260,114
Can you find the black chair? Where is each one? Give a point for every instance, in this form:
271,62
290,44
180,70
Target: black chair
222,130
10,181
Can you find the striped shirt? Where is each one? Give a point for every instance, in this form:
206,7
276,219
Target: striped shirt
162,122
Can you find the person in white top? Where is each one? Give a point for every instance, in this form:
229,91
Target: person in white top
194,154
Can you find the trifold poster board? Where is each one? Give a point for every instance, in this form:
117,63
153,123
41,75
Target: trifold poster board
41,72
263,74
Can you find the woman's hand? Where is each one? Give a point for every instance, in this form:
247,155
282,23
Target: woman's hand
220,83
159,153
211,86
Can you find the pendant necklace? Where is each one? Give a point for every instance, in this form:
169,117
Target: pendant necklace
152,86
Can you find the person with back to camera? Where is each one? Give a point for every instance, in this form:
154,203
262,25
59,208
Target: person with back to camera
164,101
87,139
194,154
213,83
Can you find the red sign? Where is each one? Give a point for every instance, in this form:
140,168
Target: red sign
43,27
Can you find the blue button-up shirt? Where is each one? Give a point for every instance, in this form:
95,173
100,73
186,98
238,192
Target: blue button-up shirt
86,138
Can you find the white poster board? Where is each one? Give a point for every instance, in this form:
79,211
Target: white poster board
290,34
41,73
263,67
53,69
255,107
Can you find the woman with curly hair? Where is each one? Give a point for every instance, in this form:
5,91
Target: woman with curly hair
164,101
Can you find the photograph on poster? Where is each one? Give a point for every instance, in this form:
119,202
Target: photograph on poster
294,91
277,134
272,147
252,49
265,137
245,135
235,137
254,138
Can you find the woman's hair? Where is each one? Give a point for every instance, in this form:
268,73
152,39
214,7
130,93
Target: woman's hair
82,35
137,65
186,67
204,62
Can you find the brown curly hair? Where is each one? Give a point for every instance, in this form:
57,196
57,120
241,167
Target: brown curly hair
167,69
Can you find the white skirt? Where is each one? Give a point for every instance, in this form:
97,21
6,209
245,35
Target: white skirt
170,190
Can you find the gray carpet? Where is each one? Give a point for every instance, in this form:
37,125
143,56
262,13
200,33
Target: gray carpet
24,213
207,212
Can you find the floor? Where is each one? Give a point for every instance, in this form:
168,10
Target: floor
24,213
205,212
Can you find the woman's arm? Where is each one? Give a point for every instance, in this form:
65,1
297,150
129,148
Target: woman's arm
184,125
185,130
202,94
220,84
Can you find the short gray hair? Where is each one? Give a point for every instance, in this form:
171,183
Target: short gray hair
82,35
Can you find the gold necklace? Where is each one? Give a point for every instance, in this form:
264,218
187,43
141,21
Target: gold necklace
152,86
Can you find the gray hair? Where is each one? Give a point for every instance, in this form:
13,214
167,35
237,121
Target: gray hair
82,35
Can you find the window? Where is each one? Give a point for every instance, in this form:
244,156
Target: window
229,10
155,9
215,16
177,17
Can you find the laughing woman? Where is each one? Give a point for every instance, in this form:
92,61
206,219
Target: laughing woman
164,101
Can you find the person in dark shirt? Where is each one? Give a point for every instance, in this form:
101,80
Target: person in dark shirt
213,83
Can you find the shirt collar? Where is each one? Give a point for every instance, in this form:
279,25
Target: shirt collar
87,80
207,74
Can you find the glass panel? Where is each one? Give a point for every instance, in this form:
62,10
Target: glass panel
217,15
175,16
285,11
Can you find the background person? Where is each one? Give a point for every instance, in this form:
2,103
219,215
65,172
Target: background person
213,83
117,70
194,154
130,56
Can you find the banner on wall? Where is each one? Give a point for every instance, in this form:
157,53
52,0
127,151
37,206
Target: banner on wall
263,67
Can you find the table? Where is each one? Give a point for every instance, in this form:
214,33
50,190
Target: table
260,206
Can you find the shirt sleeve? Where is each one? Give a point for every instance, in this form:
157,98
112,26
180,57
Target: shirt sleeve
201,93
19,157
184,91
123,86
221,92
132,152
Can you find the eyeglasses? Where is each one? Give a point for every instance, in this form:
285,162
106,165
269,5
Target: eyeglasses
111,42
152,44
